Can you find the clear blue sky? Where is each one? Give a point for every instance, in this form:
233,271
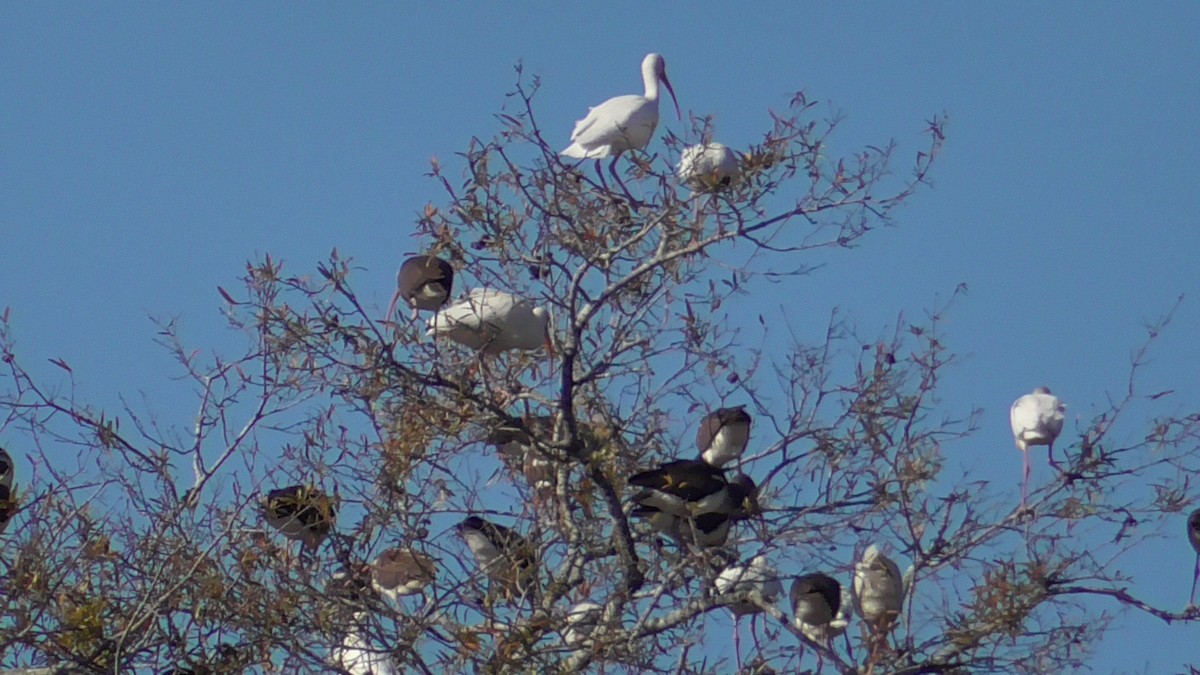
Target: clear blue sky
147,150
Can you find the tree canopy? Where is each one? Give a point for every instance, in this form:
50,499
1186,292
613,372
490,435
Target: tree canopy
247,537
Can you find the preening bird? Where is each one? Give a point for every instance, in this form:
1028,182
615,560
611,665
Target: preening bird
708,167
623,122
581,623
493,322
301,512
723,435
357,657
401,571
759,575
504,556
817,604
1193,533
878,589
424,282
1037,419
8,505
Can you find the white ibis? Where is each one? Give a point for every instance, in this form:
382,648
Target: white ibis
759,575
878,589
8,505
356,656
424,282
708,167
723,435
302,513
504,556
581,623
493,321
401,571
818,607
1193,532
623,122
1037,419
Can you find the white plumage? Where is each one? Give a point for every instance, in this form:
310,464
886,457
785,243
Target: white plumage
356,657
623,122
708,167
581,623
878,589
493,322
759,575
1037,419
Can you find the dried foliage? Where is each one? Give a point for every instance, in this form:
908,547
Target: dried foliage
150,553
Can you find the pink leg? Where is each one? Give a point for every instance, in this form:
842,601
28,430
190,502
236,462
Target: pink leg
737,641
1025,482
1195,577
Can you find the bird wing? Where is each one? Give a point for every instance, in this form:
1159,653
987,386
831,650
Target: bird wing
1024,415
688,479
608,122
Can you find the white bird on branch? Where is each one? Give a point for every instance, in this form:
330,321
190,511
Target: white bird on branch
759,575
1037,419
623,122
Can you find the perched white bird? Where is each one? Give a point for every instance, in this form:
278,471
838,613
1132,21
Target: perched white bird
878,589
723,435
623,122
398,571
1037,419
759,575
357,657
581,623
708,167
504,556
493,322
8,505
1193,533
424,282
820,613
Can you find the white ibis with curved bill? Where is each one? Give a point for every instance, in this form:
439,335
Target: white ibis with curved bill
759,575
708,167
1037,419
623,122
424,282
493,322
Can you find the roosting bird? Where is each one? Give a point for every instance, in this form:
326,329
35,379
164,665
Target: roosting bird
493,321
1037,419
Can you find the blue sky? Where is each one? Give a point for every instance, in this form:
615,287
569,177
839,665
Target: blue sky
148,150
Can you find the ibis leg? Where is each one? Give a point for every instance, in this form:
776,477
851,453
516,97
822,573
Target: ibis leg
1195,577
737,641
612,169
